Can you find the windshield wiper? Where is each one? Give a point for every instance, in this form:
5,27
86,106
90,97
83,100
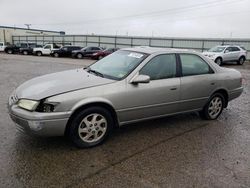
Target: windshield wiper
89,70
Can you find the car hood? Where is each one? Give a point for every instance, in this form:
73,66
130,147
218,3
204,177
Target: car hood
57,83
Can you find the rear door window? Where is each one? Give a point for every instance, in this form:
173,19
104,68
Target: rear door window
193,65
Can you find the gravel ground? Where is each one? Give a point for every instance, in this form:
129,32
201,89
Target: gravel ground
178,151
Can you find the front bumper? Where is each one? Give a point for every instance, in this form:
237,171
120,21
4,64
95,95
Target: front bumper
40,124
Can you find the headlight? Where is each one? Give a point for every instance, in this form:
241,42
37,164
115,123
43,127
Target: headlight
95,54
28,104
46,106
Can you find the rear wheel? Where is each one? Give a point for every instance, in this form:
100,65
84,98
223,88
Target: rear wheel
241,61
218,61
214,107
90,127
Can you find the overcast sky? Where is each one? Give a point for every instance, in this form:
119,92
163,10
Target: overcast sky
169,18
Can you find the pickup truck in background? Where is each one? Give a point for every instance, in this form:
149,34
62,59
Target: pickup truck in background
45,50
16,47
2,46
29,49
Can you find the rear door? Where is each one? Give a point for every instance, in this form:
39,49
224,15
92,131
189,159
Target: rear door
229,54
197,82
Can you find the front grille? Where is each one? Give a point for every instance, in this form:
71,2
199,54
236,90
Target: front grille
13,99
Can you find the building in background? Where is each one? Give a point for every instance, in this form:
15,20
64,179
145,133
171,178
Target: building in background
7,32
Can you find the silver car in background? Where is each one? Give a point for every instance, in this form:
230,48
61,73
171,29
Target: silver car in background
128,86
227,53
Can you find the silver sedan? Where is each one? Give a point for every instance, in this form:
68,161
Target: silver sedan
128,86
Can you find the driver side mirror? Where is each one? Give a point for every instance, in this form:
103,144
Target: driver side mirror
141,79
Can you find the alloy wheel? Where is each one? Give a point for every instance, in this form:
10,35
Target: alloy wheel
215,107
92,128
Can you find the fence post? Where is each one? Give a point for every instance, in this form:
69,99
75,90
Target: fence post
202,47
150,41
131,41
172,43
115,41
99,40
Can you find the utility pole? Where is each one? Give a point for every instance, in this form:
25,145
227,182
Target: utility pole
28,26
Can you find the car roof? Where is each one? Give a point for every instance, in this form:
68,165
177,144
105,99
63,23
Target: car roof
153,50
227,45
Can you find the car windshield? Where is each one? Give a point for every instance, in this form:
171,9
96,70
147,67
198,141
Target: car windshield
84,48
119,64
217,49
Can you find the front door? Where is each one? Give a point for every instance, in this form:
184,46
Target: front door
158,97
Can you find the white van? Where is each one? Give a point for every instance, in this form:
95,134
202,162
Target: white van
2,46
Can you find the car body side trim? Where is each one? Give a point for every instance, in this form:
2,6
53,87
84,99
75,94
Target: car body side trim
162,104
155,117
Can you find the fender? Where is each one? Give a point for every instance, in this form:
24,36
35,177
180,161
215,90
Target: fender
91,100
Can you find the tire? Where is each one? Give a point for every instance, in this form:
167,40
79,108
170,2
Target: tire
79,56
9,51
56,55
214,107
39,53
241,61
218,61
90,127
100,57
25,52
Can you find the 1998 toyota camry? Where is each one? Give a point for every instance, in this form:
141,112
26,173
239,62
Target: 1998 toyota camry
128,86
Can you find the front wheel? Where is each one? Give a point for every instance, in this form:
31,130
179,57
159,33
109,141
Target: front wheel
218,61
10,51
56,55
39,53
91,127
79,56
25,52
214,107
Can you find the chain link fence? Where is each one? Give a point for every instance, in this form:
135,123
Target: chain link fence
106,41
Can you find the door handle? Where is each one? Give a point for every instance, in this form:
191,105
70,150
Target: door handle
174,88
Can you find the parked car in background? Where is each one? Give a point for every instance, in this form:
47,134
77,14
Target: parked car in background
101,54
227,53
2,46
29,49
16,47
65,51
85,52
130,85
45,50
